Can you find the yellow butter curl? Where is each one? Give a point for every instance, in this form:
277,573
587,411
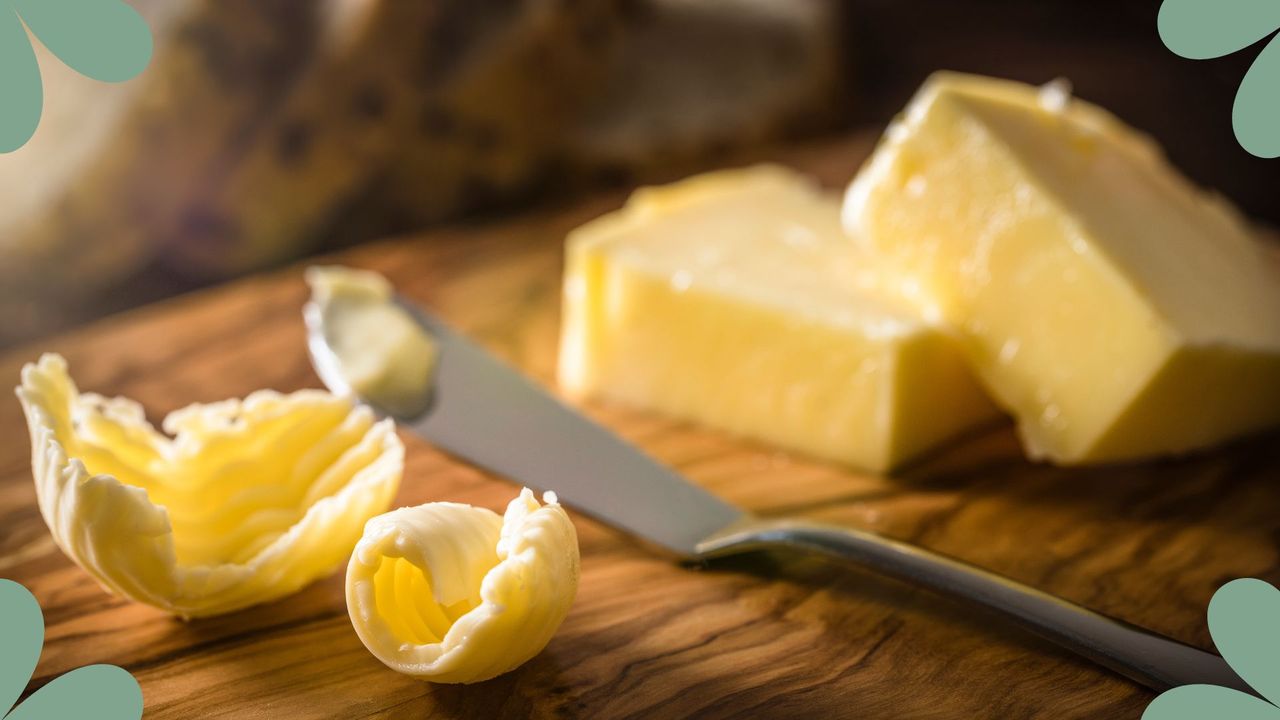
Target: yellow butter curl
453,593
249,501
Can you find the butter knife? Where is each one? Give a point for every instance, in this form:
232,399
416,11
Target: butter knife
488,414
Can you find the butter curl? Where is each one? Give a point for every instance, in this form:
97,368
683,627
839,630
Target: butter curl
455,594
249,501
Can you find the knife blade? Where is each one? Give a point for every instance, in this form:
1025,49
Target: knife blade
487,413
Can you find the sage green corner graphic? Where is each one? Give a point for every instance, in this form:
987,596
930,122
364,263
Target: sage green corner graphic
106,40
1244,620
94,691
1203,29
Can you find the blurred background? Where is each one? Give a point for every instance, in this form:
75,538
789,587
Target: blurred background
268,130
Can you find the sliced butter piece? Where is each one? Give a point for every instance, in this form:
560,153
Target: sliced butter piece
1116,309
452,593
734,299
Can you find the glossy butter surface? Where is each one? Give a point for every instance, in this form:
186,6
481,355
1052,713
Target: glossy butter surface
452,593
247,502
1114,308
734,299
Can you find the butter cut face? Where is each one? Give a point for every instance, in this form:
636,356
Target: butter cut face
735,300
1117,310
452,593
249,501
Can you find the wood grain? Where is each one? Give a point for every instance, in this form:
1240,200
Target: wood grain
764,636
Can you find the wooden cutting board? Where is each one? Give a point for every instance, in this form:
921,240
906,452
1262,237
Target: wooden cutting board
767,636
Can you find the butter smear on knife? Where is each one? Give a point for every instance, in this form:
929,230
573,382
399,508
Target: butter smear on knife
452,593
378,350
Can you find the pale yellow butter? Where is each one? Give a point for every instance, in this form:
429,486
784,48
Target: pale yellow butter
379,351
455,594
249,501
1116,309
734,299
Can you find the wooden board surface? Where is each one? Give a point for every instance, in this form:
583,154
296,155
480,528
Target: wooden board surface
766,636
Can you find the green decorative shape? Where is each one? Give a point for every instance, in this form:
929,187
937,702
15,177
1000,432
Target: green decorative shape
1244,620
22,631
21,95
1255,116
1202,29
105,692
105,40
95,691
1209,702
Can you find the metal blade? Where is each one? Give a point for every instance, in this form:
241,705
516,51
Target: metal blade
487,413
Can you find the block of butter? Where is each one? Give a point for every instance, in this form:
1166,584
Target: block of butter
1114,308
734,299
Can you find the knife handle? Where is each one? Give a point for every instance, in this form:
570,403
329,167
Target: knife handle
1145,657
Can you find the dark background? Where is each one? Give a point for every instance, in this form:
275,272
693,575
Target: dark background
457,111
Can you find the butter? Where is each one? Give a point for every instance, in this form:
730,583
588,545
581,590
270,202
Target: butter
248,502
452,593
377,349
734,299
1118,311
